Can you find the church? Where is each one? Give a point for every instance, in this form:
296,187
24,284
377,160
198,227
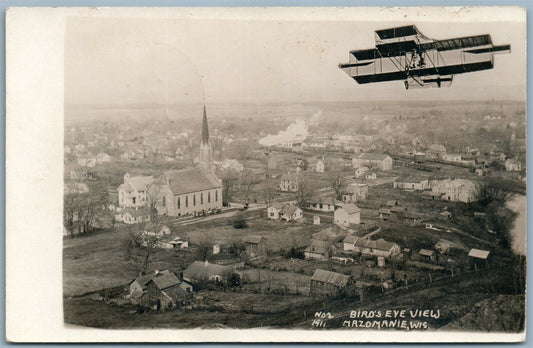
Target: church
189,191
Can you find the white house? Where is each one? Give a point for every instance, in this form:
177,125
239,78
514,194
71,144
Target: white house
378,247
349,242
512,165
274,211
325,204
86,161
316,165
132,216
411,183
451,157
369,159
456,190
370,176
359,172
289,183
133,192
355,192
103,157
291,212
347,215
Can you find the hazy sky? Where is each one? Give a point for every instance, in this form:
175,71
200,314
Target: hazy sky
154,60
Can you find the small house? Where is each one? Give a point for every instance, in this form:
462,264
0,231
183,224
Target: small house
392,203
178,243
316,220
291,212
370,176
411,183
134,215
289,182
479,258
273,212
347,215
137,286
326,283
158,230
355,192
319,250
201,272
255,246
512,165
360,172
165,292
325,204
384,213
427,255
316,165
349,242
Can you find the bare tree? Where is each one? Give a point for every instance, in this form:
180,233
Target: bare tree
336,177
140,246
91,209
492,191
70,209
229,178
248,180
205,247
268,188
153,202
305,191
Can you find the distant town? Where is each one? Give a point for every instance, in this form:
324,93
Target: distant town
264,215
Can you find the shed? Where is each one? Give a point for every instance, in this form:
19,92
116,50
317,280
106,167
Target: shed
326,283
255,245
427,255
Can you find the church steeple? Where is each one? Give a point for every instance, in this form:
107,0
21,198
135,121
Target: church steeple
205,129
205,147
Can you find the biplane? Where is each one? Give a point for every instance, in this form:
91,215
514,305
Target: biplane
404,54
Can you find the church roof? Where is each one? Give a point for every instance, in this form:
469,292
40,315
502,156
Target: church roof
190,180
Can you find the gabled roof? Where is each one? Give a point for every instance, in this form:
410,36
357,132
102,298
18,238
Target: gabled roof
166,281
337,279
382,244
176,292
319,246
140,183
373,156
253,239
189,180
277,205
289,177
289,209
350,209
351,239
145,279
411,179
480,254
392,203
143,211
199,269
426,252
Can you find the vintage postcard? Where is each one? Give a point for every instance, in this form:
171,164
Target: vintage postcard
266,174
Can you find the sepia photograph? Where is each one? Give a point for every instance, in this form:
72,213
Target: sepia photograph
317,171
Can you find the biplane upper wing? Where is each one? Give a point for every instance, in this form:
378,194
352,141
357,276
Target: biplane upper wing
404,52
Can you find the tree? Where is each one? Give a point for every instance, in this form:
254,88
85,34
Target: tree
268,188
70,208
205,247
140,246
91,209
230,178
336,177
152,201
248,180
500,220
305,191
492,190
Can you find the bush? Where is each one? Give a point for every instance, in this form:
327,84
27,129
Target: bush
240,222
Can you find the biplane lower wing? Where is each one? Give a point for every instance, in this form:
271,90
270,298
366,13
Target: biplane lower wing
444,70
